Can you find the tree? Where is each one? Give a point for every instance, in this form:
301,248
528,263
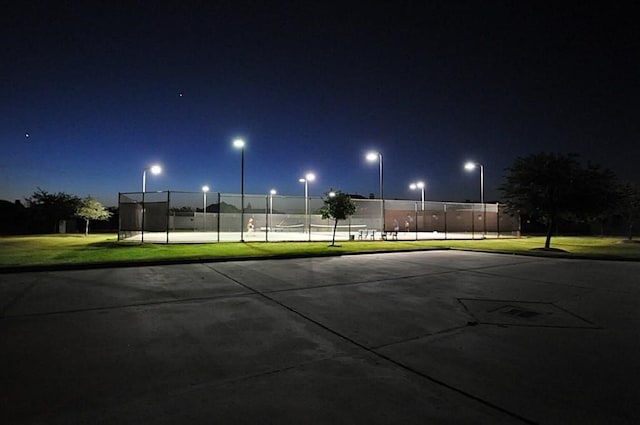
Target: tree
548,187
629,204
597,195
51,208
91,209
337,206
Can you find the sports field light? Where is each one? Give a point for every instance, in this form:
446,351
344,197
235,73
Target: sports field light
372,156
421,186
470,166
271,193
155,169
309,177
205,189
377,156
239,144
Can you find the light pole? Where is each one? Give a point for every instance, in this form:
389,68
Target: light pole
155,169
418,185
372,156
205,189
470,166
309,177
239,144
271,193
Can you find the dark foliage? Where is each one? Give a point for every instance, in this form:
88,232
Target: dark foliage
549,187
47,209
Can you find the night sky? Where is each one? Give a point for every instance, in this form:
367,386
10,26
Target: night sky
94,92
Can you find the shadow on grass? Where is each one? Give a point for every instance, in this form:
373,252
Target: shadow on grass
558,250
117,245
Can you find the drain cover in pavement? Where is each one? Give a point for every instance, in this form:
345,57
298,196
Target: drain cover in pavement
521,313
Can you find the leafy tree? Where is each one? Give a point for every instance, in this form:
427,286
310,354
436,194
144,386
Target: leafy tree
596,195
337,206
51,208
629,204
91,209
548,187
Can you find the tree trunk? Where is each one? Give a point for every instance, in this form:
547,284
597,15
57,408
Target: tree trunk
547,243
86,227
335,225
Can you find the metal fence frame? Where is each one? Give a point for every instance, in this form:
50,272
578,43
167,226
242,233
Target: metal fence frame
174,216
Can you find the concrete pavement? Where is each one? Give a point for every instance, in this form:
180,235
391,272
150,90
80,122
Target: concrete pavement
422,337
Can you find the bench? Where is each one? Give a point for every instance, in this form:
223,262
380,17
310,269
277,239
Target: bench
367,234
394,235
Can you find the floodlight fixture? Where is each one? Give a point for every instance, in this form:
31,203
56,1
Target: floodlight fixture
309,177
155,169
240,144
470,166
205,189
373,156
419,185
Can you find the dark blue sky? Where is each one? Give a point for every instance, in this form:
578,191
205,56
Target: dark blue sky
103,90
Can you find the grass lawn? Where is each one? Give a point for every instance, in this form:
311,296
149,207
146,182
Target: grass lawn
20,251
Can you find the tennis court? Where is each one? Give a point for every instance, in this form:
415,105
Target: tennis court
183,217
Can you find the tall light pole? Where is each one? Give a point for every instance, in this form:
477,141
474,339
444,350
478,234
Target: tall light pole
155,169
239,144
307,178
419,185
372,156
271,193
470,166
205,189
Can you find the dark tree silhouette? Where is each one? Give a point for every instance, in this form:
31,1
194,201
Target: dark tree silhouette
50,208
629,204
547,187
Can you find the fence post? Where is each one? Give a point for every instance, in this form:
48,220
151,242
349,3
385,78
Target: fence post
166,224
219,212
119,215
445,221
498,220
416,218
143,214
266,216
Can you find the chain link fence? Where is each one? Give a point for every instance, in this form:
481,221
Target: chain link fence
191,217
